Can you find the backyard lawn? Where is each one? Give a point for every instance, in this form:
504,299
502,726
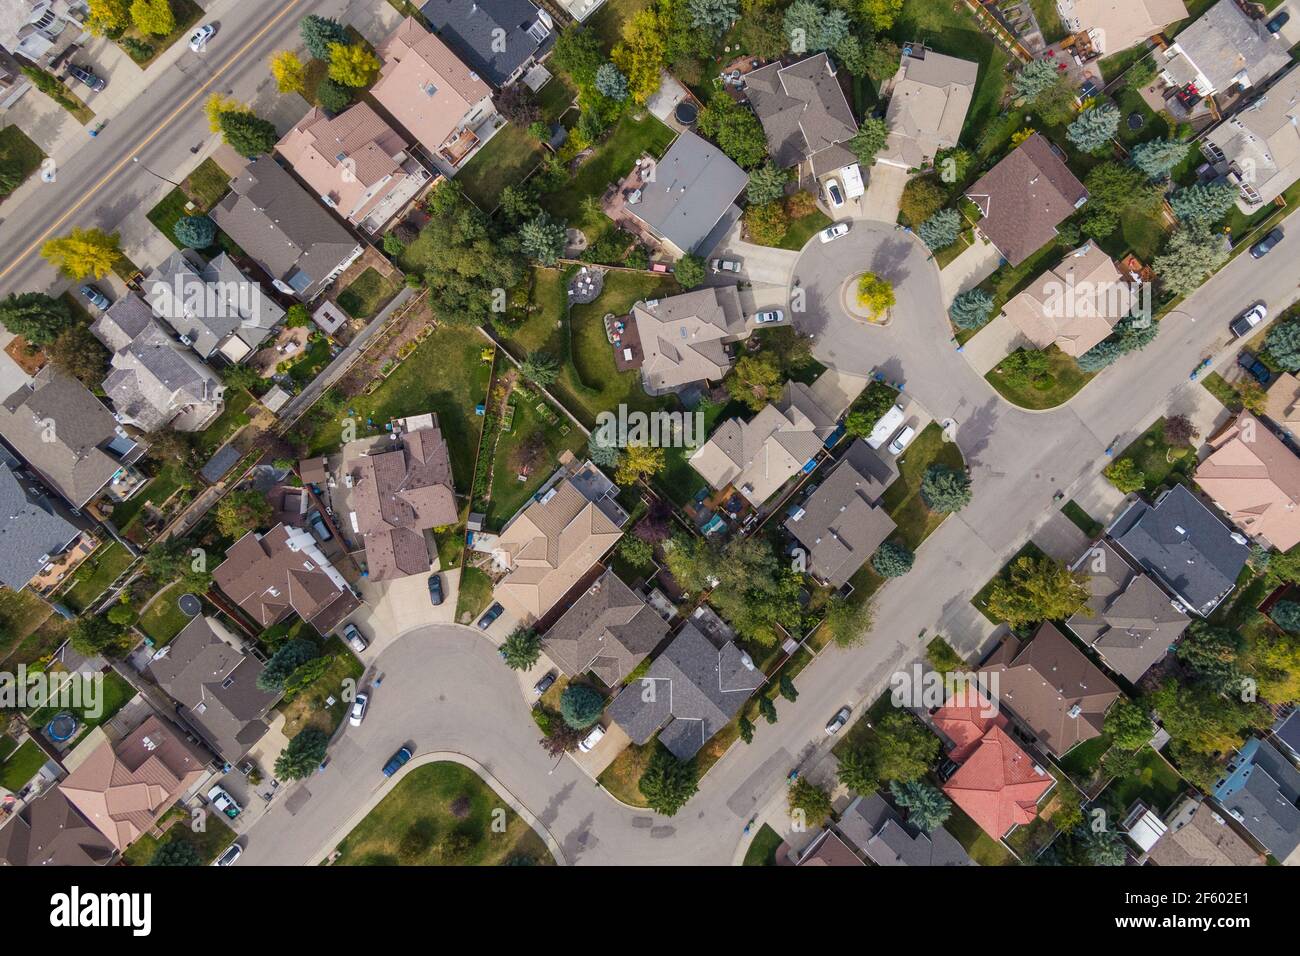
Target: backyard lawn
161,486
534,442
21,766
94,575
163,619
508,157
613,159
21,612
441,814
232,418
1057,385
1153,781
115,694
368,293
555,98
18,150
444,375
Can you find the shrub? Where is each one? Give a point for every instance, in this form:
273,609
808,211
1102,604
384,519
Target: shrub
945,489
1125,475
195,232
922,198
892,560
1286,615
767,224
580,706
333,96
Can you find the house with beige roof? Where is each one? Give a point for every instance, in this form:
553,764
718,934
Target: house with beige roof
1258,147
1224,47
432,95
356,163
399,495
1254,478
1198,835
684,337
1075,304
283,572
758,456
552,544
123,787
929,97
1282,405
1114,25
607,631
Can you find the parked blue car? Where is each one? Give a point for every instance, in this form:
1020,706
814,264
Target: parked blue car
397,762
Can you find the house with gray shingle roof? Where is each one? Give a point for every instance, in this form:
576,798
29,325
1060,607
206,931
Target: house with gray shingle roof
153,380
1261,790
607,631
1258,147
684,337
31,530
212,306
804,113
691,691
1223,48
497,39
876,829
49,831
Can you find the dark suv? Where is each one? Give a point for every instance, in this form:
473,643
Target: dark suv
1262,248
86,75
1254,366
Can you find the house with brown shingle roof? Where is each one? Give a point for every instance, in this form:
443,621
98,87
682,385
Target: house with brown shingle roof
1052,688
1198,835
804,113
550,545
356,163
283,572
123,788
50,832
1255,480
432,94
684,337
400,494
1025,197
608,631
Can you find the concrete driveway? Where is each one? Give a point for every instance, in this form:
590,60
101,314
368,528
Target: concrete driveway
885,185
977,263
759,264
400,605
991,344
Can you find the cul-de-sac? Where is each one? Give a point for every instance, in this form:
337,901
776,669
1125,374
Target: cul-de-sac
649,433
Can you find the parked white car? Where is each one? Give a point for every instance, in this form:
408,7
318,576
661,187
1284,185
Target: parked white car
834,193
359,707
233,852
902,440
838,721
200,37
768,318
589,742
831,233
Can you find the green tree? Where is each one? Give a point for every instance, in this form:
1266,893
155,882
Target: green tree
1212,654
37,317
755,379
858,770
1282,342
195,232
927,808
637,551
1038,589
787,688
247,133
581,706
76,351
639,462
288,657
905,748
153,17
1125,475
1203,204
941,229
578,52
812,28
1202,719
320,33
746,730
540,368
868,140
175,852
521,649
892,560
767,224
1128,725
848,622
543,239
736,130
97,635
352,64
881,14
1034,78
1094,129
808,800
713,15
610,82
1189,257
767,708
303,754
766,183
1157,158
243,511
1024,367
689,271
333,96
971,309
1100,356
945,489
1286,615
868,408
667,783
922,198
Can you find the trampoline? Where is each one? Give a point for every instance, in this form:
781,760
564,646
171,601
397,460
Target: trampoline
1136,121
62,727
686,113
189,604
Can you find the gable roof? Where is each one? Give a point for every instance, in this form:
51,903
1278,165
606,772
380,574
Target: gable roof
210,303
1055,690
965,719
278,224
1199,836
397,495
1226,47
123,788
1075,304
1025,197
609,630
999,785
1184,546
1283,405
839,524
682,336
1261,790
697,688
927,106
424,86
215,683
828,849
1133,622
550,545
491,36
50,832
1255,479
1121,24
30,531
693,186
802,108
1263,138
875,828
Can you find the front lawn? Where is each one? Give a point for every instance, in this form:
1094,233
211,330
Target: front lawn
613,159
442,814
1081,519
21,766
803,229
18,149
1057,385
473,596
163,619
144,49
1152,455
203,188
309,708
368,293
215,837
623,774
509,156
762,849
95,574
1220,388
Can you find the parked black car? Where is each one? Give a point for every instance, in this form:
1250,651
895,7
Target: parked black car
1278,22
1255,367
490,615
86,75
1262,248
397,762
435,589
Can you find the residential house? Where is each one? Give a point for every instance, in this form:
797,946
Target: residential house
213,680
840,525
1184,546
683,338
1114,25
690,692
356,163
33,530
1260,790
283,572
498,39
1258,146
70,439
1057,694
804,113
1282,404
552,544
1128,621
928,100
38,30
828,849
284,230
876,829
123,787
607,631
154,381
214,307
1196,835
1286,731
1221,49
399,496
580,9
1075,304
760,455
49,831
685,201
434,97
1254,478
996,783
1025,197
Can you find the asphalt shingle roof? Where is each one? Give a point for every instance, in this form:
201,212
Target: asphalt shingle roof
802,108
30,531
475,29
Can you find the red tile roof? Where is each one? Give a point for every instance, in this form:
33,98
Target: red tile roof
965,719
999,785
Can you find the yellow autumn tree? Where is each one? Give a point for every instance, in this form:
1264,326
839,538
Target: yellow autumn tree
108,16
153,17
84,252
352,64
639,461
218,104
289,72
640,54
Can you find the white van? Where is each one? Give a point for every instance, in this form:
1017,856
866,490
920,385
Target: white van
888,423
